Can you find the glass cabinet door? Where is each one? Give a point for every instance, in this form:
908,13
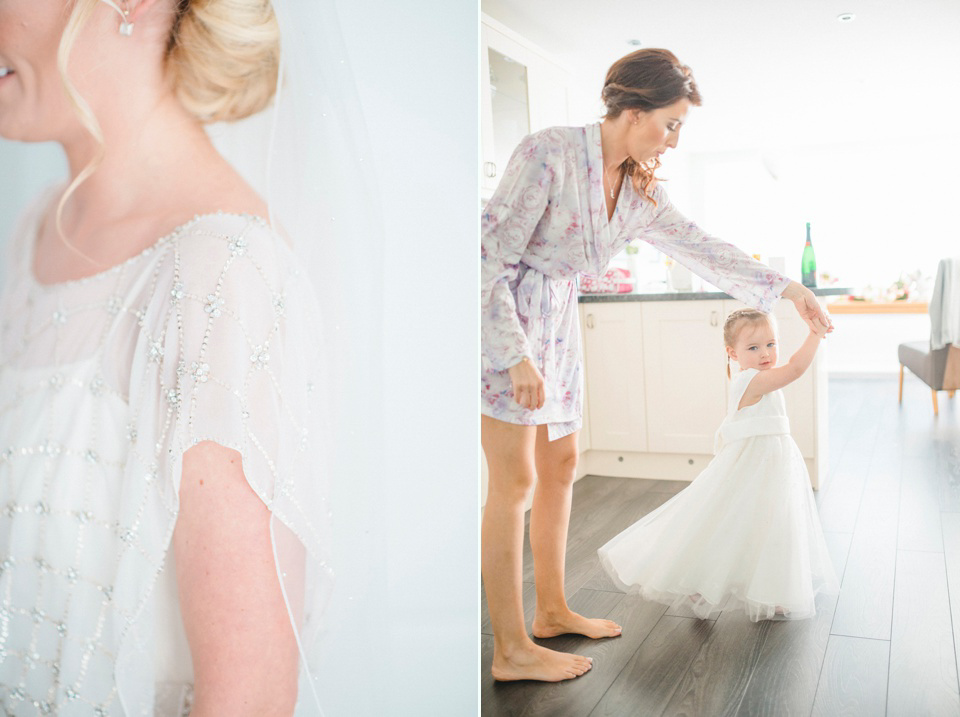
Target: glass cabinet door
510,106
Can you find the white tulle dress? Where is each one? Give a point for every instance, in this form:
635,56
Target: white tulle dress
105,382
744,534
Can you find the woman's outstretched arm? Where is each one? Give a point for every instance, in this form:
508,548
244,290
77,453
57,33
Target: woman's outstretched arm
244,651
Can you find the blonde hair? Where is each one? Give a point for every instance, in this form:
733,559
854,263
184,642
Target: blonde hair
222,61
223,57
736,322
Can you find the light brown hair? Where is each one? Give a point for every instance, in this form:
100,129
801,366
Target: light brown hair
736,322
646,79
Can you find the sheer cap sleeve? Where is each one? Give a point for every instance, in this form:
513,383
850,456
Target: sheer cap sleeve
228,353
507,224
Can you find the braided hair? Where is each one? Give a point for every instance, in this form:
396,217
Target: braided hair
735,323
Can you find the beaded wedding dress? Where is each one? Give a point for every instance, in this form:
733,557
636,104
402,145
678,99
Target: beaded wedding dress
743,535
209,335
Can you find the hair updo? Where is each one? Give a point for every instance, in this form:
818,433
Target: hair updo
646,80
223,57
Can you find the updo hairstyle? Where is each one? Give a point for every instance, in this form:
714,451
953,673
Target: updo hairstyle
647,79
223,57
736,322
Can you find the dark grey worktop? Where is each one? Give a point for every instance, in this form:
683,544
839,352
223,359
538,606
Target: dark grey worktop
687,295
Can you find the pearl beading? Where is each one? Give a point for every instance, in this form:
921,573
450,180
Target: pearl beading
67,355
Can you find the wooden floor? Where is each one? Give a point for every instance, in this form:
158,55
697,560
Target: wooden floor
887,645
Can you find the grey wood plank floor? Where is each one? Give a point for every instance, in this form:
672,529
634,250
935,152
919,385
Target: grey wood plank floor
888,645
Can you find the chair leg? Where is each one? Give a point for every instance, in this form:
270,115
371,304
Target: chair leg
901,384
935,413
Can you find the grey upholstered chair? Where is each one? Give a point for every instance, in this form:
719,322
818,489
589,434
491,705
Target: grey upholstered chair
929,366
937,362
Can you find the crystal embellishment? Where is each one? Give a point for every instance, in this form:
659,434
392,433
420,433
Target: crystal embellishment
214,305
200,371
97,385
177,291
259,357
238,246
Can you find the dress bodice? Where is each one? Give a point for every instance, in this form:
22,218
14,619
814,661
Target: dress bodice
766,417
104,383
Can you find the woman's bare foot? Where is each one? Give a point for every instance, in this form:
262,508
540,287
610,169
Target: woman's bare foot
534,662
572,623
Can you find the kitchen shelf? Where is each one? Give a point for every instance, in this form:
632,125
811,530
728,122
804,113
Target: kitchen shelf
878,307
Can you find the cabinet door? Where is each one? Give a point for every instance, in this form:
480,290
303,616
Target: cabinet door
521,91
685,373
584,443
505,102
613,352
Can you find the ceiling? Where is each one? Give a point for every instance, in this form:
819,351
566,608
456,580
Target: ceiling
773,73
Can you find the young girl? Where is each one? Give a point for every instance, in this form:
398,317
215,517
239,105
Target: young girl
746,531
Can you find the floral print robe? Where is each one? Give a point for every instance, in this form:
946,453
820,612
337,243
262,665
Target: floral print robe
544,226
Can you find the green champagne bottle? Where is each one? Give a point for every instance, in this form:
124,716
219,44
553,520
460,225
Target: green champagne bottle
808,265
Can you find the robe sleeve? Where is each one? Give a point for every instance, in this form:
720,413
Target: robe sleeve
507,223
716,261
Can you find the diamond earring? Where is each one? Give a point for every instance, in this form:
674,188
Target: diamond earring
126,27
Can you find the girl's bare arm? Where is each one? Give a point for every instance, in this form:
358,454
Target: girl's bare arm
772,379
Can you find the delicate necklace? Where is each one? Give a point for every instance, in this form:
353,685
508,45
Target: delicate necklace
613,184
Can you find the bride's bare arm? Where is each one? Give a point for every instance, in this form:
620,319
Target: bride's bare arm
244,652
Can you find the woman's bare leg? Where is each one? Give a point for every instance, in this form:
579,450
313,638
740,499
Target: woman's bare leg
556,466
509,451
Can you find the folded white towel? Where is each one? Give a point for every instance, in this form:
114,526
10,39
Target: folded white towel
945,305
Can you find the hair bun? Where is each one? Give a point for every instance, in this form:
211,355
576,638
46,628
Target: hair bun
223,57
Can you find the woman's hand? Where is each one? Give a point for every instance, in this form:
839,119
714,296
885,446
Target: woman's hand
527,384
808,307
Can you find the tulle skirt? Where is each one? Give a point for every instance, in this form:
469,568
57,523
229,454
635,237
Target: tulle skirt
745,533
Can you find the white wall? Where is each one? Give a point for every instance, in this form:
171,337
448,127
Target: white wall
416,68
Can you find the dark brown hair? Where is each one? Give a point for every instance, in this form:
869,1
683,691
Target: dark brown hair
646,80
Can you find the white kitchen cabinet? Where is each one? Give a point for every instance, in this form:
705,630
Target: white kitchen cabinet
685,371
613,352
584,443
522,90
658,418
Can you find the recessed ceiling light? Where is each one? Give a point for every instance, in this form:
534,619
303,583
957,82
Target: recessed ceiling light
634,42
846,17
